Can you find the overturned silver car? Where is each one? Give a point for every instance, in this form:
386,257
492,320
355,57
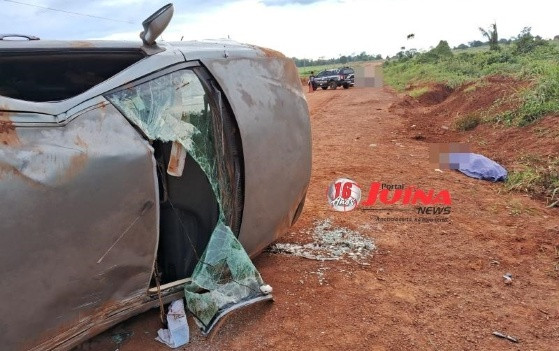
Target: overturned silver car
125,166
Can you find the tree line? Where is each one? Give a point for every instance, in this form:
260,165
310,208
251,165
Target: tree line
344,59
524,42
524,38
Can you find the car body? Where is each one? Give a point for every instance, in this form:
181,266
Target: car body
327,79
351,79
333,78
89,209
348,76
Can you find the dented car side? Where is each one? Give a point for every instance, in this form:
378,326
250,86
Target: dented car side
86,199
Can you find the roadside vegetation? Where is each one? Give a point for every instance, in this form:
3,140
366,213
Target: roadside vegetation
343,60
537,176
533,65
527,58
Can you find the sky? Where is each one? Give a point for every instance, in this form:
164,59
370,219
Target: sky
298,28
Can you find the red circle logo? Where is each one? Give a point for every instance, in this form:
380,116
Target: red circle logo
344,195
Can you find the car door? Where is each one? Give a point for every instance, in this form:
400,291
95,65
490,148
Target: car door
80,221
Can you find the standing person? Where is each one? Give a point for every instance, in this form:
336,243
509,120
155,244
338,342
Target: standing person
311,82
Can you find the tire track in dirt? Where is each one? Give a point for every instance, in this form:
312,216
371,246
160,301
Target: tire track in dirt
322,101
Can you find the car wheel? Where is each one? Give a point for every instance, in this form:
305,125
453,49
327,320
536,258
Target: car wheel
346,86
324,87
333,84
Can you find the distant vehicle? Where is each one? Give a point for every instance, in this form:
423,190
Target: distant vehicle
348,75
334,78
97,207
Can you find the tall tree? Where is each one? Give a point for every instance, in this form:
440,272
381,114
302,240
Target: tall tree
492,36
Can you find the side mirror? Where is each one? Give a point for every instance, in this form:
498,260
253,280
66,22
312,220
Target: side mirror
155,24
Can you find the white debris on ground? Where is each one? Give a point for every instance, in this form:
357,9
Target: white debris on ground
330,244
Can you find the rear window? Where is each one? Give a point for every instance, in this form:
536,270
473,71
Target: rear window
58,75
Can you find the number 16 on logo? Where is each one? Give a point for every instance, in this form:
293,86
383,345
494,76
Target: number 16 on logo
344,195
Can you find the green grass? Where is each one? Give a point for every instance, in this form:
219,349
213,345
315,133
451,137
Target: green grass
467,122
417,92
539,67
475,86
471,88
536,176
535,103
472,50
537,96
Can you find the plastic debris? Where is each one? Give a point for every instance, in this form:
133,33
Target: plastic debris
178,333
266,289
504,336
177,160
508,278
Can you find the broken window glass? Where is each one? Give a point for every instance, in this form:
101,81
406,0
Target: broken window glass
177,108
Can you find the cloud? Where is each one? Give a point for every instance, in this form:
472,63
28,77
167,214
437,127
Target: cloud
288,26
105,17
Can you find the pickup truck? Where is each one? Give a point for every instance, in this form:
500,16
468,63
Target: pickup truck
334,78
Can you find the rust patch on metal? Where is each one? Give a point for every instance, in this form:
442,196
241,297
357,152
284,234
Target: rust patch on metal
271,53
290,69
104,317
77,162
85,327
81,44
78,141
8,133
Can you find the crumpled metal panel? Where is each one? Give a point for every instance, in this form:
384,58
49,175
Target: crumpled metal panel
79,225
271,110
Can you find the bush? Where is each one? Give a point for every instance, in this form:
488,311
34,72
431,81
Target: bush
440,52
467,122
475,43
526,42
418,92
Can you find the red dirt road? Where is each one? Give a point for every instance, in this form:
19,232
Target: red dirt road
429,286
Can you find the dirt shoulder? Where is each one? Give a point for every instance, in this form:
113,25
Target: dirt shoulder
429,286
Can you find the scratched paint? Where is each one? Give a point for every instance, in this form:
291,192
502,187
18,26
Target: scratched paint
8,133
73,228
77,194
